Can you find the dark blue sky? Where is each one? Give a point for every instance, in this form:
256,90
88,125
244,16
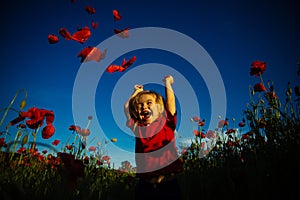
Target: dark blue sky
234,34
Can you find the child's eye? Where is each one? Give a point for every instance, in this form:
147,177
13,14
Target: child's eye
149,102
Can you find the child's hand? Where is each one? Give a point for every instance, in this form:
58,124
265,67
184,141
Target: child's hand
138,87
168,79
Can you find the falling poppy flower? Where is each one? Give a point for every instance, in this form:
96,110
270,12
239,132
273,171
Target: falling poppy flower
65,33
124,33
116,15
82,35
55,142
94,24
126,64
90,10
257,68
259,87
113,68
123,67
52,39
91,53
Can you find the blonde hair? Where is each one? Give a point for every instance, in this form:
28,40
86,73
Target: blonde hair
133,103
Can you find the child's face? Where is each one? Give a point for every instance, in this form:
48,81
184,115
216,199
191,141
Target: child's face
148,109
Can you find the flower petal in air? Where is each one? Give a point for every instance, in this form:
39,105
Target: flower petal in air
90,10
82,35
94,24
91,53
116,15
52,39
65,33
123,33
113,68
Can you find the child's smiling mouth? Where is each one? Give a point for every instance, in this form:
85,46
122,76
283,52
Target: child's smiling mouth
147,114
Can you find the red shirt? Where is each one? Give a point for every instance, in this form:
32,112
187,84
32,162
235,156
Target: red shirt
156,151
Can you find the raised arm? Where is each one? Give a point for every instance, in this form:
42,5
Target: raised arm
170,96
137,89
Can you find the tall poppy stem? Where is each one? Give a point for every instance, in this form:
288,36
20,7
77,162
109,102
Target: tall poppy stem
11,103
261,79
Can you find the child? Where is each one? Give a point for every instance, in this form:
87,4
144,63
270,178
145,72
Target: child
153,121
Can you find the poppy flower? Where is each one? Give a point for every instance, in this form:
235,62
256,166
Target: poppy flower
74,128
94,24
91,53
55,142
82,35
92,148
36,118
257,68
196,133
271,95
48,131
123,67
241,124
2,142
124,33
113,68
210,134
84,132
259,87
222,123
90,10
196,119
105,158
52,39
126,64
202,123
116,15
65,33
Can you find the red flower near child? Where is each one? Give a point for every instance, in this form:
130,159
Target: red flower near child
257,68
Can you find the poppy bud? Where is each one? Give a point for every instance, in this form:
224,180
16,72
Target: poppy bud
24,140
22,104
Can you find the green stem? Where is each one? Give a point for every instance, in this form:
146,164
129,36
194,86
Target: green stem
11,103
261,79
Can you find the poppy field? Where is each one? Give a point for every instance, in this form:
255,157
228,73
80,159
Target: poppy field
256,157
